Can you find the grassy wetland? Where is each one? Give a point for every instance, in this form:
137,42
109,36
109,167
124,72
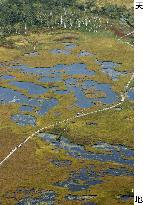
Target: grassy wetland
51,75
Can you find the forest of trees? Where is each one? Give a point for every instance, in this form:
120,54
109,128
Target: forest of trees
18,16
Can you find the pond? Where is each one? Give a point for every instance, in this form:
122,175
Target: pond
127,198
26,108
32,88
11,96
24,120
126,152
60,51
81,180
84,53
7,77
79,198
45,198
90,203
49,79
73,69
110,96
86,177
67,49
109,68
78,86
117,172
81,100
79,69
130,94
8,95
73,85
47,105
119,153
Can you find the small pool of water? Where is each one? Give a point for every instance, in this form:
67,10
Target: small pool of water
119,154
84,53
48,79
60,51
79,68
79,92
67,49
7,77
24,120
71,82
108,67
107,64
130,94
11,96
81,180
32,88
45,198
127,198
111,96
39,71
79,198
81,100
125,151
26,108
117,172
89,203
47,105
85,178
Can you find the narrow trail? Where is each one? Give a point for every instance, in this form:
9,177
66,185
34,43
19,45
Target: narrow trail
78,115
